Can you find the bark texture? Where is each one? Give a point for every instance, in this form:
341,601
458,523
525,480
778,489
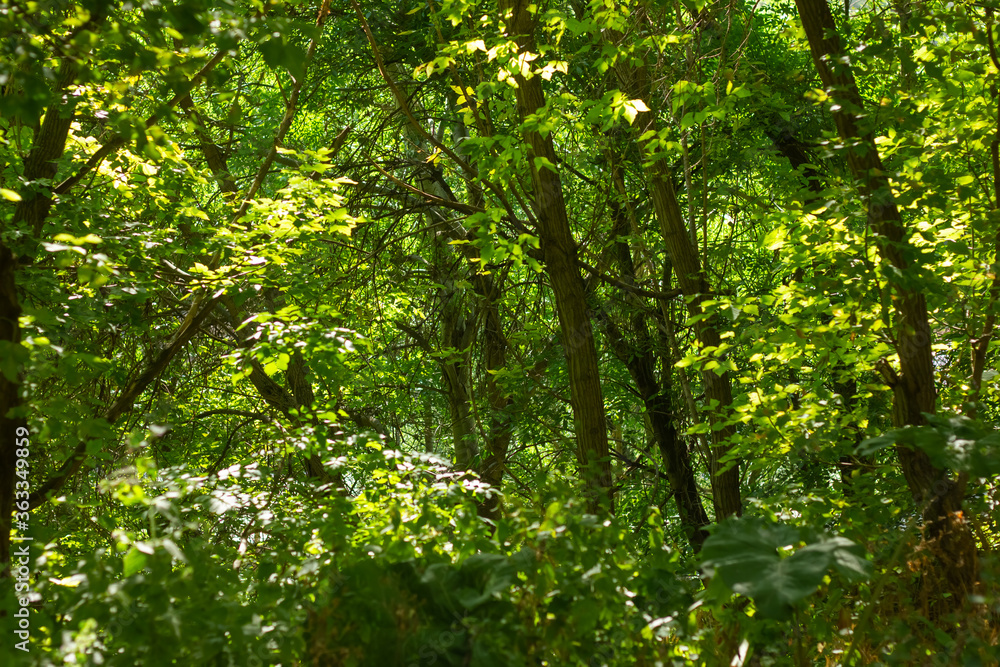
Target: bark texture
560,255
953,564
500,430
10,398
637,352
694,284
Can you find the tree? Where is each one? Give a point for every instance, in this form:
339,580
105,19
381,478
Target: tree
498,333
934,489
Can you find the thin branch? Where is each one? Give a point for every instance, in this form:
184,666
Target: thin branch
125,401
286,121
401,99
663,296
229,411
119,141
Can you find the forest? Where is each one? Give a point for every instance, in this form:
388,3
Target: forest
485,333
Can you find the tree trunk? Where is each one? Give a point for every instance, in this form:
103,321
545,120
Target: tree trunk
50,143
10,398
954,565
501,430
560,256
640,360
694,284
458,330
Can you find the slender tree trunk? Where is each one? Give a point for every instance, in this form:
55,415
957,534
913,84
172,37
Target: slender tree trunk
458,330
954,569
718,385
981,345
694,284
560,255
500,430
428,424
638,356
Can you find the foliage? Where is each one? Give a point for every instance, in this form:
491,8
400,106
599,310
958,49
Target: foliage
285,302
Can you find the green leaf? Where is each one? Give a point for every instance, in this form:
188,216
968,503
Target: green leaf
871,445
134,561
586,613
279,54
746,555
545,163
777,586
847,558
